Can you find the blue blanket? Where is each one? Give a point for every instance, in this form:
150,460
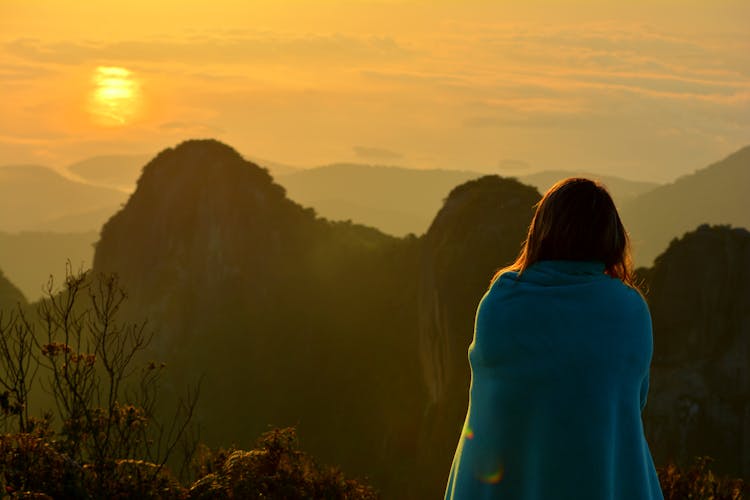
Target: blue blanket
559,376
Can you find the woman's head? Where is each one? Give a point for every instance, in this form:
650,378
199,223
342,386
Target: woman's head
577,220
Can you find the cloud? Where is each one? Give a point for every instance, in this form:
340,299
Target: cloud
603,37
665,85
376,153
190,128
553,104
22,72
238,49
520,75
38,139
519,120
449,94
453,80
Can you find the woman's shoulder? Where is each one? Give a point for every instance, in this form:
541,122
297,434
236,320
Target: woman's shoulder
505,278
607,287
635,297
613,293
625,290
509,276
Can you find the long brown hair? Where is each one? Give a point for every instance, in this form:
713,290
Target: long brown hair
576,219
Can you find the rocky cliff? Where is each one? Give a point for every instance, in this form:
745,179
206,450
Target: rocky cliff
360,339
10,295
699,401
478,230
293,319
200,220
699,295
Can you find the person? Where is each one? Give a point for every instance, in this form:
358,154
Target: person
560,364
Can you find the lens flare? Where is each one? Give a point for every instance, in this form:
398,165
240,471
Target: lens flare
493,478
116,95
468,433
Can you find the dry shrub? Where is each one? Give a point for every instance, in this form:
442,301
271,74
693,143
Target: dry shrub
698,482
276,468
31,465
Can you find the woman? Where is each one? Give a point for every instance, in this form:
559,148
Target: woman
560,364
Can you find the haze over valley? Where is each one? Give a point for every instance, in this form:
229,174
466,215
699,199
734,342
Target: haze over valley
63,220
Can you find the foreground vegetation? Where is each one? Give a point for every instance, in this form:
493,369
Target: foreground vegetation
699,482
110,435
33,466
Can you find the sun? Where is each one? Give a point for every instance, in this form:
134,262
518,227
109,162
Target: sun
115,99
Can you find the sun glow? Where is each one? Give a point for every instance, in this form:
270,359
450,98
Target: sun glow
115,99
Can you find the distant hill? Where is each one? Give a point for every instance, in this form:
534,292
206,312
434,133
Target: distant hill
275,168
113,171
122,171
28,258
85,221
396,200
716,194
33,195
622,190
400,200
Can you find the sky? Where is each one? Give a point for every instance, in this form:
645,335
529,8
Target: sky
641,89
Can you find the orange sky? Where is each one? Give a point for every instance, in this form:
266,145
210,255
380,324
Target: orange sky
648,90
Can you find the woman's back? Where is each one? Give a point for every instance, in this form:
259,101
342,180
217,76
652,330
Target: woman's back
560,365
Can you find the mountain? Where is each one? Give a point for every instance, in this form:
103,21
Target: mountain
396,200
10,295
32,195
699,399
276,169
699,295
308,322
716,194
204,200
122,171
113,171
622,190
400,200
359,338
28,258
293,319
477,231
87,220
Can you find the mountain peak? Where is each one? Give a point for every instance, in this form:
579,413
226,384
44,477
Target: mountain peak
197,167
191,203
205,147
200,155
